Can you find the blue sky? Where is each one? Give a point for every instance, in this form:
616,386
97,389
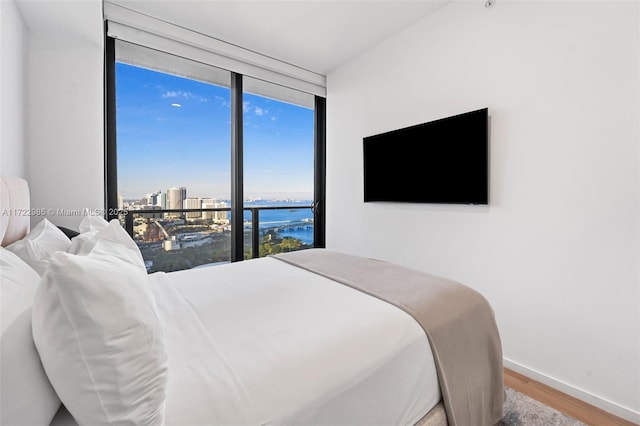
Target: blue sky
173,131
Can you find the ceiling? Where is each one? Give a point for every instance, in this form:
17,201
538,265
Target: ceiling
318,35
80,19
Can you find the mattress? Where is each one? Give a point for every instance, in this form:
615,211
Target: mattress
262,342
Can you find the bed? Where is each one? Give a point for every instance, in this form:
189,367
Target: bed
315,337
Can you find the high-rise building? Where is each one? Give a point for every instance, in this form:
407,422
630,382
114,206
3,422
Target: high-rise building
175,200
221,216
154,199
210,203
193,203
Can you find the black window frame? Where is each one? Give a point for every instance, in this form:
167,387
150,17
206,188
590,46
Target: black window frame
237,173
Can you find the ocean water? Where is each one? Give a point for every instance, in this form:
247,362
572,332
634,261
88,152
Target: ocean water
291,222
304,235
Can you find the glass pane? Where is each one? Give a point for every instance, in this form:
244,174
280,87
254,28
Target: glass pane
173,154
278,166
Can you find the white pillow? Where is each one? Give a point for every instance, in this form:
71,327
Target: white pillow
98,335
39,244
26,396
88,228
92,223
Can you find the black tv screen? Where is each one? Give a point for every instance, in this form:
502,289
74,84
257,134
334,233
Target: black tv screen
443,161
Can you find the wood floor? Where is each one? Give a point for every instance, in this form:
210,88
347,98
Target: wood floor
562,402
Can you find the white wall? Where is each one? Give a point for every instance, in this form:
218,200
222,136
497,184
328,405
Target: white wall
557,250
12,90
65,107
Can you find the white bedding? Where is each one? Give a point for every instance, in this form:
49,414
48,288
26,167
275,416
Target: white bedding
262,342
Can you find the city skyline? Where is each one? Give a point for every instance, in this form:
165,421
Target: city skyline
164,193
175,132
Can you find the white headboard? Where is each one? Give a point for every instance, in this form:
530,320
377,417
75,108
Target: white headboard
14,209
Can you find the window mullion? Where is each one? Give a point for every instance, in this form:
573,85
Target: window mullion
110,151
237,196
319,172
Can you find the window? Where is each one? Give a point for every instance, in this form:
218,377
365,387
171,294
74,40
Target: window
188,149
278,130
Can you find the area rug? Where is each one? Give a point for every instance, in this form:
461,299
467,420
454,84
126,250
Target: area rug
520,410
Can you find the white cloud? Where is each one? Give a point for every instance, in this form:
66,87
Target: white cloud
184,95
223,101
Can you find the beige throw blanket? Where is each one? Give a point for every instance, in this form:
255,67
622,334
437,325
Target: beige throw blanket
458,321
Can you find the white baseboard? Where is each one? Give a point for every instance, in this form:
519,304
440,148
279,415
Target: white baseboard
589,398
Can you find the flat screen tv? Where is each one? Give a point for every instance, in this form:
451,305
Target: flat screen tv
443,161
